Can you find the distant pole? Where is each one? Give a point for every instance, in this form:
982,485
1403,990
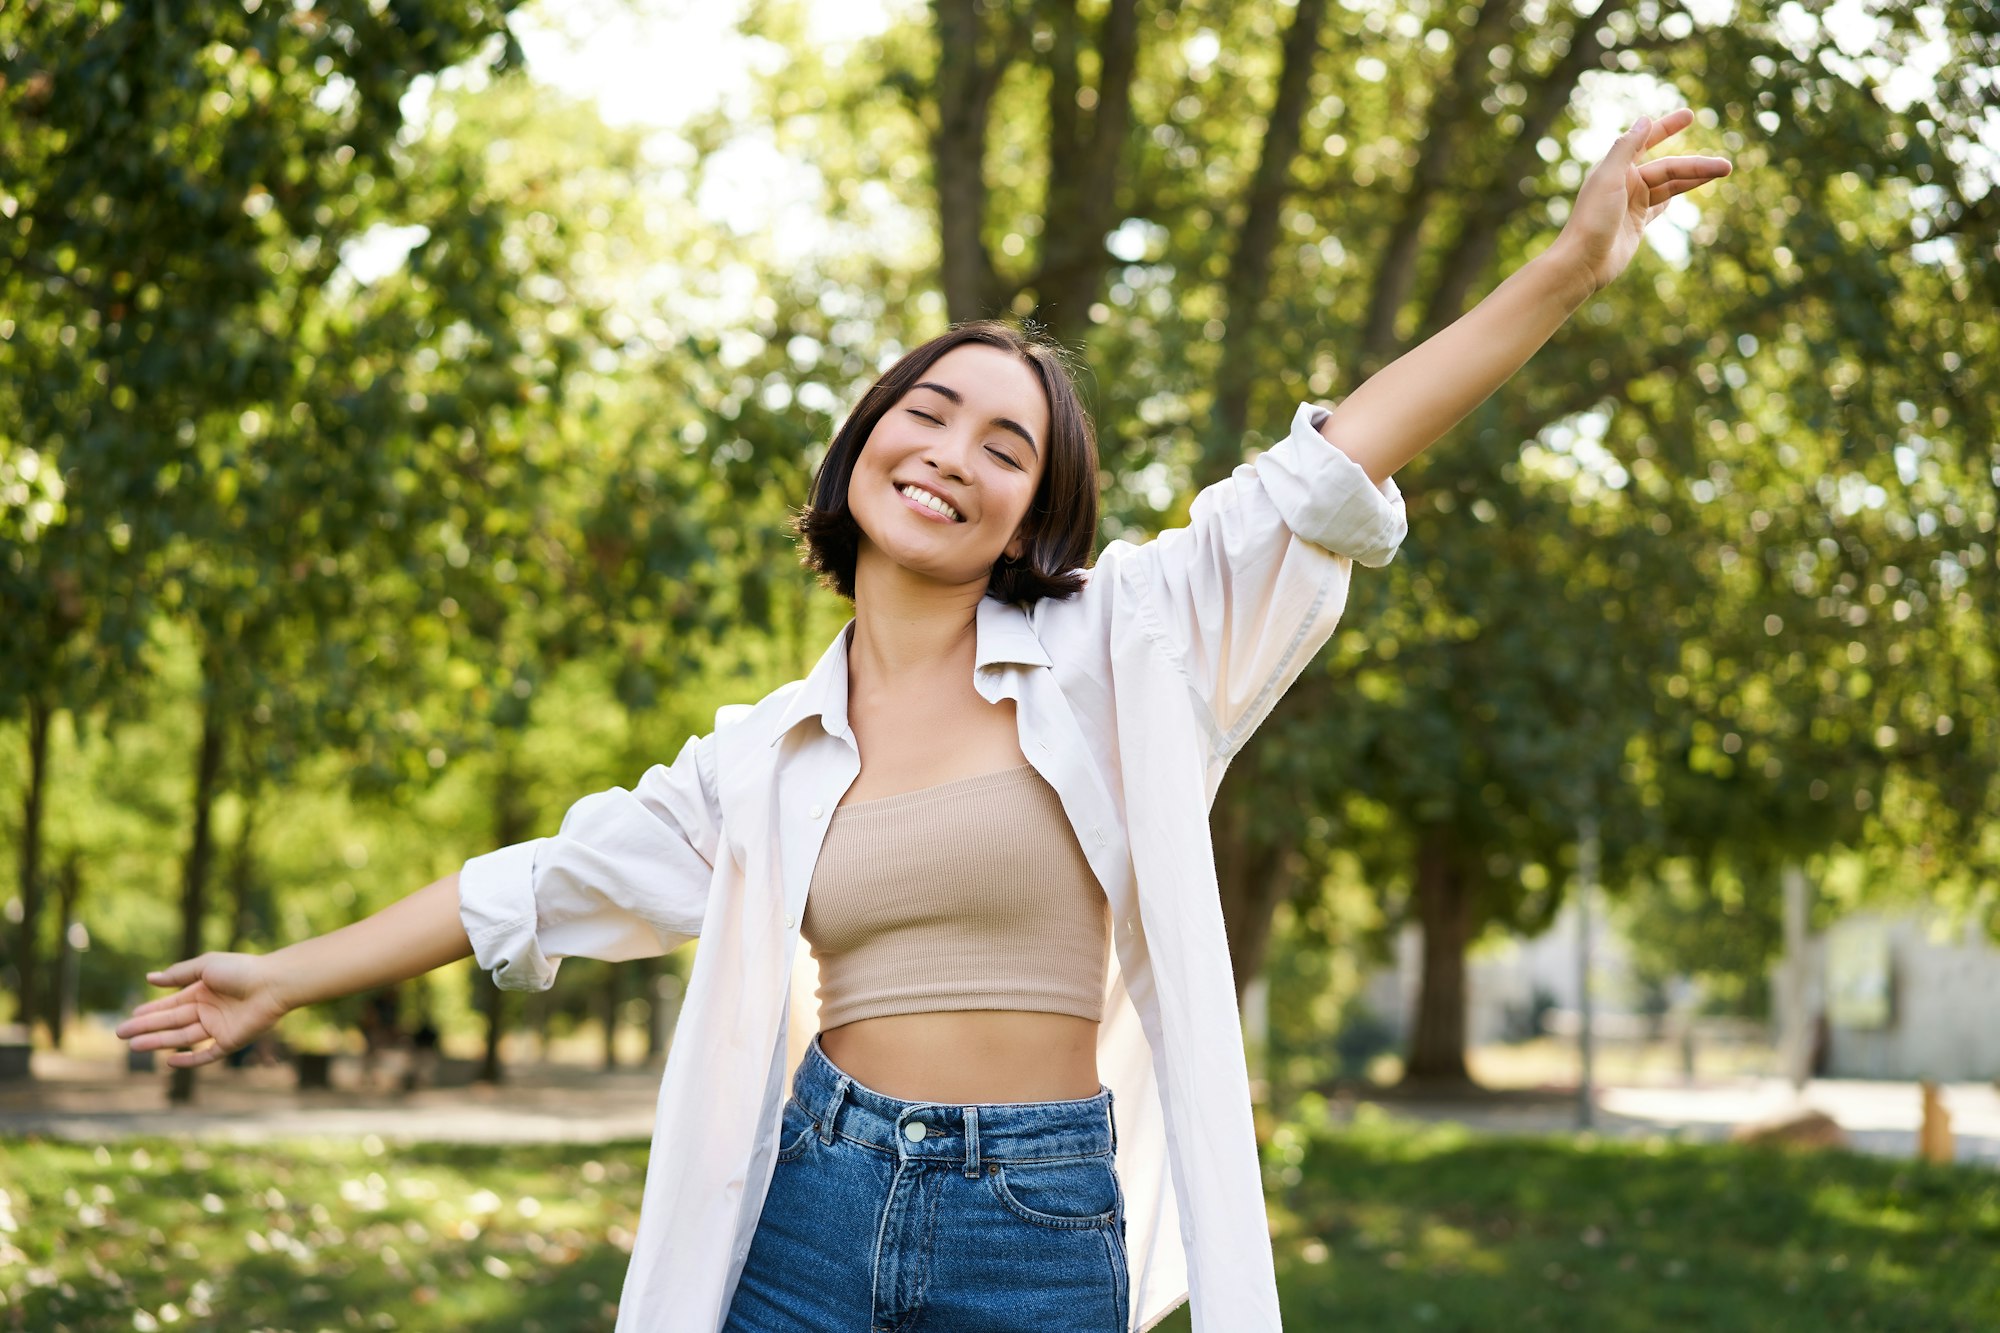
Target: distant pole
1795,1034
1586,885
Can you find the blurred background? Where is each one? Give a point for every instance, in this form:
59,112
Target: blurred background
401,406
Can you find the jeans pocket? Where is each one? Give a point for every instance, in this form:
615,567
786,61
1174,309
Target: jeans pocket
796,1131
1070,1193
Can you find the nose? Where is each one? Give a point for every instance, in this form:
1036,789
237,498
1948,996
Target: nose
947,455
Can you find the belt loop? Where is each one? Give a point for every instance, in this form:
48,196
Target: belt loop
832,1110
972,1143
1111,1116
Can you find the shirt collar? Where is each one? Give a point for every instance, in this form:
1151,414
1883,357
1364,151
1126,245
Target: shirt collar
1002,633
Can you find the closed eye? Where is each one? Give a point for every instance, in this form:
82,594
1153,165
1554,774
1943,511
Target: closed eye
922,415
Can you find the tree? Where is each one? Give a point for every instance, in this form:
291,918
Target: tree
1369,175
189,186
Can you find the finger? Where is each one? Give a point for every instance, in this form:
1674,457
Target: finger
208,1054
181,1036
1661,193
1680,188
180,974
173,1015
1627,147
1663,169
1667,126
182,996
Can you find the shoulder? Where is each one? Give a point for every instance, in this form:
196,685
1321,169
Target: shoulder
1087,611
755,721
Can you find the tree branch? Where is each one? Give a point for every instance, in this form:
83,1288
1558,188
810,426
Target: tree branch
1248,279
1479,237
1451,109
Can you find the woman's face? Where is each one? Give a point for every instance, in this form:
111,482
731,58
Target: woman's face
972,432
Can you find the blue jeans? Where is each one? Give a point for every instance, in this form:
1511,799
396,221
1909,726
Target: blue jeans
887,1216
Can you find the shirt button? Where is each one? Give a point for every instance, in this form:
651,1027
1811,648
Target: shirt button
790,921
816,812
915,1131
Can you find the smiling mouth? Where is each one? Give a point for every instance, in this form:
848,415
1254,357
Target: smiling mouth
921,506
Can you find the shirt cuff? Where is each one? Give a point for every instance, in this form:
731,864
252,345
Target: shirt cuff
1326,498
496,904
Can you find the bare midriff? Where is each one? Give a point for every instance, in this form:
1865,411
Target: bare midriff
970,1055
958,1056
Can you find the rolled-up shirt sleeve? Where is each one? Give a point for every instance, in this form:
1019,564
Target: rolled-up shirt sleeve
1252,586
1325,497
625,876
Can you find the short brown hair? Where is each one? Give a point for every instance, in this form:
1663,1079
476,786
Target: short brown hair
1062,519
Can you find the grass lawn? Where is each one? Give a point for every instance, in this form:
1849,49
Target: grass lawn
1379,1226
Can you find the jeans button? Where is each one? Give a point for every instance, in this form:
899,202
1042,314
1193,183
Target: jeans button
915,1131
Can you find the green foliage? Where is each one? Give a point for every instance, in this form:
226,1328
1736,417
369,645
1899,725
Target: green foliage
1704,572
389,507
1712,569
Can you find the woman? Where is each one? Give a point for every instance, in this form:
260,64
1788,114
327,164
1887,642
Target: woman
985,810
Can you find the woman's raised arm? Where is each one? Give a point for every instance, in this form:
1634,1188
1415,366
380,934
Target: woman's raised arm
226,999
1409,404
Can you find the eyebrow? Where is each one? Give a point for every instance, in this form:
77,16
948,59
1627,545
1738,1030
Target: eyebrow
1004,423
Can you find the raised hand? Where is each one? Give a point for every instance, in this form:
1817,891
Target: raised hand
1622,194
226,1000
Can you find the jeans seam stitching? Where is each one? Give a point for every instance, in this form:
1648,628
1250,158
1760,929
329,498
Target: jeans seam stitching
997,1182
1120,1302
984,1155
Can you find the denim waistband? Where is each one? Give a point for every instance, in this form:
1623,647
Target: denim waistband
971,1133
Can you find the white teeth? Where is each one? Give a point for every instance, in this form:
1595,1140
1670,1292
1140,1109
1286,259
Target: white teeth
924,497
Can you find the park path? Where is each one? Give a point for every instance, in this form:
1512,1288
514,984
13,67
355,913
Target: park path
92,1101
1879,1117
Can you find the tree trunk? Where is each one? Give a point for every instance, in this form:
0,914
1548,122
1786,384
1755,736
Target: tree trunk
1444,907
194,870
28,952
493,1008
69,887
510,825
242,876
607,997
965,86
1087,136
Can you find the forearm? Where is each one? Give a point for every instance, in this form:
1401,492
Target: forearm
1409,404
405,939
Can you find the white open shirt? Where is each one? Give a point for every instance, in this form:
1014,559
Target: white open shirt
1132,696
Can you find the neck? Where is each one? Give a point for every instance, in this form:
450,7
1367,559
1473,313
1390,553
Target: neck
905,624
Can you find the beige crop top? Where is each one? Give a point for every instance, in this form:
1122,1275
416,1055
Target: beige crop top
971,894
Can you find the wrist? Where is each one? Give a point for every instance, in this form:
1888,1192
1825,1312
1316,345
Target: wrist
1567,272
284,978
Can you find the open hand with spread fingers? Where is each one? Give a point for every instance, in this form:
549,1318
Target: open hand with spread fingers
1622,194
225,999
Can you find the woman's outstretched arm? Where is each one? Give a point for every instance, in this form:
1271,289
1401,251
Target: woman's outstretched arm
226,999
408,938
1410,403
